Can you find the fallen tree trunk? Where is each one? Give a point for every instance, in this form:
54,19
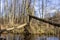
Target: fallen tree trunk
45,21
8,29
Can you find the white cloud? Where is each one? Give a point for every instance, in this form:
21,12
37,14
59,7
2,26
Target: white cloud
51,11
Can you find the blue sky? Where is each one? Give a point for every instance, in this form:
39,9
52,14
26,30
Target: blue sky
51,7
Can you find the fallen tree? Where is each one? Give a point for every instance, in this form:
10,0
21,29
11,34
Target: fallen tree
8,29
45,21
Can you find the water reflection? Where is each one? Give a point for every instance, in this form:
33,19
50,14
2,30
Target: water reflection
37,37
52,38
29,37
15,37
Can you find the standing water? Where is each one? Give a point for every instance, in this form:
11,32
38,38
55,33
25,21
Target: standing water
30,37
